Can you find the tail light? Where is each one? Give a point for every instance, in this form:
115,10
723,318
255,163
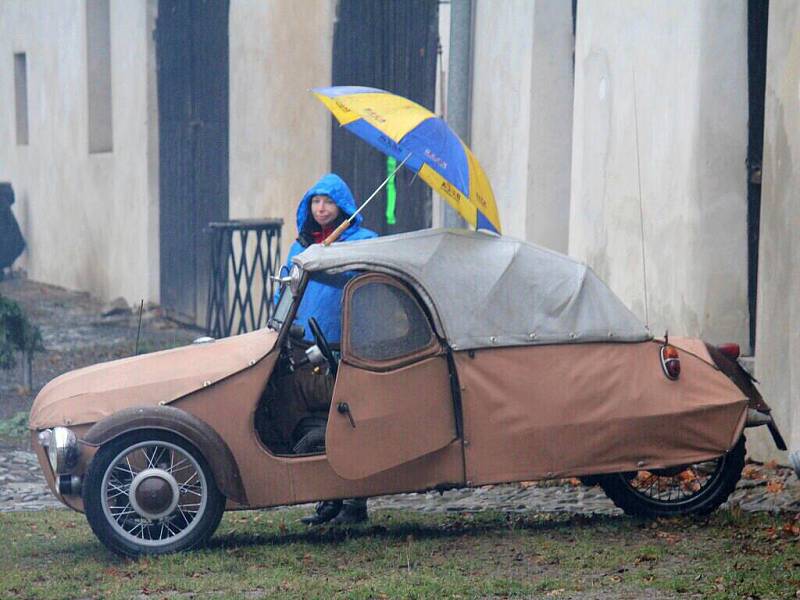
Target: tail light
730,350
670,362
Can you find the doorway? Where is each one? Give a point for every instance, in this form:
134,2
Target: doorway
392,46
192,71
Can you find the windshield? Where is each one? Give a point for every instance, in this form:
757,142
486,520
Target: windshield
282,309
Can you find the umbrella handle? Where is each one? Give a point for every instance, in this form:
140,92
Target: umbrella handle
337,232
345,224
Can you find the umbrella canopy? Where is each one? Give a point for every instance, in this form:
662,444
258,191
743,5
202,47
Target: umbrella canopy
403,129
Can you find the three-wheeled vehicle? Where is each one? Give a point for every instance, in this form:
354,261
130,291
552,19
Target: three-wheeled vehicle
466,359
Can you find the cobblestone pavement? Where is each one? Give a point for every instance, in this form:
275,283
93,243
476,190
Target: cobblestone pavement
22,488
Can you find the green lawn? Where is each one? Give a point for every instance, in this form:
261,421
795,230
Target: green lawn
53,554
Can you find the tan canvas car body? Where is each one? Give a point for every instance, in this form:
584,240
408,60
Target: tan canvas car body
480,398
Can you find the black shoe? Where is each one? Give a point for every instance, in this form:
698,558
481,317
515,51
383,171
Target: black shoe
354,511
325,511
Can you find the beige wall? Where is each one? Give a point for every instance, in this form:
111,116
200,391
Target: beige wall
522,113
279,134
681,68
778,322
90,220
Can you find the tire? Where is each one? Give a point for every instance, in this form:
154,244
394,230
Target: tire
151,492
696,489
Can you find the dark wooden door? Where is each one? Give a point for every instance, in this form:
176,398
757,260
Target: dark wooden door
192,63
389,45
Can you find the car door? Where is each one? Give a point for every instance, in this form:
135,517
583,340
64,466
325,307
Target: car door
392,402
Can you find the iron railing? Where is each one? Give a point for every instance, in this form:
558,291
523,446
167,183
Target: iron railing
245,253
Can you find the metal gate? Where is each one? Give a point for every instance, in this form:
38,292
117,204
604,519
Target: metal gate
192,69
389,45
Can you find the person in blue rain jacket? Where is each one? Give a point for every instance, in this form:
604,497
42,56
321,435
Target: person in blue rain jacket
322,209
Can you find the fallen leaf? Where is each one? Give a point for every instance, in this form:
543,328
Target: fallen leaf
752,472
775,486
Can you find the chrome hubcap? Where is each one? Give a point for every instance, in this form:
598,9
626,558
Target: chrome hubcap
154,493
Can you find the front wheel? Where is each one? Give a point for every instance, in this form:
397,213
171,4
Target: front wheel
151,492
697,488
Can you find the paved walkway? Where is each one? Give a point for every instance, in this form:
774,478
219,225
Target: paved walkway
22,488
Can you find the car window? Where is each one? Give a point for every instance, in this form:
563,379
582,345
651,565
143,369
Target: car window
386,323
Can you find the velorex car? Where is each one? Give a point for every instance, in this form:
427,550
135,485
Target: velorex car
466,359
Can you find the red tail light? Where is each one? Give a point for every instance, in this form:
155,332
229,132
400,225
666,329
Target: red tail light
670,362
730,350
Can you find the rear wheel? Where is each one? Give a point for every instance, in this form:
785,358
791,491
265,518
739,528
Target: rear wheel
697,488
151,492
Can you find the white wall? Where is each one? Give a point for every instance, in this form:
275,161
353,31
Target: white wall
778,321
522,113
679,68
90,220
279,134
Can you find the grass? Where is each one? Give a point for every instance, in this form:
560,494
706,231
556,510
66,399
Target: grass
256,554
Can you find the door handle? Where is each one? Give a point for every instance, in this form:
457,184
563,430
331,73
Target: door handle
344,409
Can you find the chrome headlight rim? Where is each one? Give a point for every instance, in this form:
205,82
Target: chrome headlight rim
61,445
295,275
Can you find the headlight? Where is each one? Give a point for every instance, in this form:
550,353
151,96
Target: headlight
62,448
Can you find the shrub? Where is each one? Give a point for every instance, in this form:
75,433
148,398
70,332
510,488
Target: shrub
17,334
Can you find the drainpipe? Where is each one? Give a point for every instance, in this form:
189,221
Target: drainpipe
459,85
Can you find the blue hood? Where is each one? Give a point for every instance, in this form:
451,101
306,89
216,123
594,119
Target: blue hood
336,189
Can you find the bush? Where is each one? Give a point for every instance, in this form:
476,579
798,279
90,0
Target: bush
17,334
16,426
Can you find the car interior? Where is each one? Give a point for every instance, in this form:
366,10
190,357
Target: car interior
385,324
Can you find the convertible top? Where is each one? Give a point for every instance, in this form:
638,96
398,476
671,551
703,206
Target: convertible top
485,290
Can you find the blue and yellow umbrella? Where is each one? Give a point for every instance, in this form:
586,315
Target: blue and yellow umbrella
411,133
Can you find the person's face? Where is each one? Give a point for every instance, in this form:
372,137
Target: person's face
324,210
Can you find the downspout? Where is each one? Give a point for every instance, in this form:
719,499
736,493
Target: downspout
459,85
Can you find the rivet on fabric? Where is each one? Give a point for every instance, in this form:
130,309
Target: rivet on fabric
251,363
572,335
162,403
640,463
532,335
493,339
206,383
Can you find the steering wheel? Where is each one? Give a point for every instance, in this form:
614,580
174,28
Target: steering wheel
323,346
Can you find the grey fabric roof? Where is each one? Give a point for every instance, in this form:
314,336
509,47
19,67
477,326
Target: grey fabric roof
486,290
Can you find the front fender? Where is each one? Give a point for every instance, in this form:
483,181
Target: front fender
199,433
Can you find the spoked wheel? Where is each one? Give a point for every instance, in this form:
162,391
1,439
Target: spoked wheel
698,488
151,492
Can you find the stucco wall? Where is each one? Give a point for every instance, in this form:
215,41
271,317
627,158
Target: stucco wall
778,320
279,134
90,220
680,70
522,113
